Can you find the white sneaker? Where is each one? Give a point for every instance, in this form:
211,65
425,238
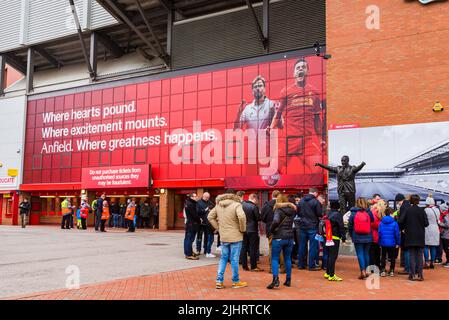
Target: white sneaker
210,255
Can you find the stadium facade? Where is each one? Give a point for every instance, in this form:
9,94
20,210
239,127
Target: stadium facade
115,112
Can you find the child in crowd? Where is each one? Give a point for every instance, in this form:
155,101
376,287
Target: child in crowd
335,231
78,219
389,241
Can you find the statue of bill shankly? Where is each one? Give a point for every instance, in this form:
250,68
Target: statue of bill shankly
345,182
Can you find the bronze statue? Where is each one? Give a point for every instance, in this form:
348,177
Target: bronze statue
346,184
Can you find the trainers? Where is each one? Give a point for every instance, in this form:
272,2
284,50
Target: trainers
446,265
383,274
219,285
391,273
326,276
240,284
210,255
335,278
192,258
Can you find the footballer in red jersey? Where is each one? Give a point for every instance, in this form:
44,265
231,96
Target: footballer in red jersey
301,118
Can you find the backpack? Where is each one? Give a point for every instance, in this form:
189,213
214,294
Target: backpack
322,226
362,223
94,205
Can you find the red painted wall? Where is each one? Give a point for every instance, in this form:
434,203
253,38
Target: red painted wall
12,75
211,97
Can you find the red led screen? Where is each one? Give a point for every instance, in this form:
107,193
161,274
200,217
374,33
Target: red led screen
208,125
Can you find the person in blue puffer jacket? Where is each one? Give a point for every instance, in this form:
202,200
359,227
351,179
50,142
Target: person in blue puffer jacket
389,241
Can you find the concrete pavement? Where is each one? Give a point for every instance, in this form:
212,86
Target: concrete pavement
35,259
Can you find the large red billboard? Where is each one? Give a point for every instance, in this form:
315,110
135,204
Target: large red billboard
260,125
122,177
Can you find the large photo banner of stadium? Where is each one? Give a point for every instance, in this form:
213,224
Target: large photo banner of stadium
407,159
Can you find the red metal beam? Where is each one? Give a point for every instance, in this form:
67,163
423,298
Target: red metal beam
50,186
188,183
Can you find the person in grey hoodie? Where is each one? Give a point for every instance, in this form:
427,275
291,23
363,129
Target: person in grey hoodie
432,233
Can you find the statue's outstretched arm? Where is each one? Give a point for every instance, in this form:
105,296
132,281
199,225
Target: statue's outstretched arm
328,168
358,168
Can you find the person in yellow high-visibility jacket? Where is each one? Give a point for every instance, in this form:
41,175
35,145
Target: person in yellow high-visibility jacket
66,208
104,215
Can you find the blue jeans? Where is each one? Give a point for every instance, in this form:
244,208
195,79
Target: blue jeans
97,220
229,249
362,251
116,218
433,253
210,241
286,246
201,237
188,242
307,235
406,260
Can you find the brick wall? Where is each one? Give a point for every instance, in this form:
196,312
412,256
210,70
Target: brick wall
389,76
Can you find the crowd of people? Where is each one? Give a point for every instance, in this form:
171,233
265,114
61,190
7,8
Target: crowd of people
112,213
300,227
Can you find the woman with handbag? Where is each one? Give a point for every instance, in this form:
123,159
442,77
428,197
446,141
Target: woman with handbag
282,239
432,233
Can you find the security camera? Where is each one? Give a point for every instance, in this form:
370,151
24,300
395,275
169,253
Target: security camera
18,150
317,49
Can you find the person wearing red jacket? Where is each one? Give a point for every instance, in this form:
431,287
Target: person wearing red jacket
444,229
378,211
84,212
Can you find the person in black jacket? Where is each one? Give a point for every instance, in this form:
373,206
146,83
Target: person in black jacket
99,211
192,225
414,221
282,239
296,229
310,213
338,233
204,205
252,232
122,211
25,208
114,209
267,216
403,203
